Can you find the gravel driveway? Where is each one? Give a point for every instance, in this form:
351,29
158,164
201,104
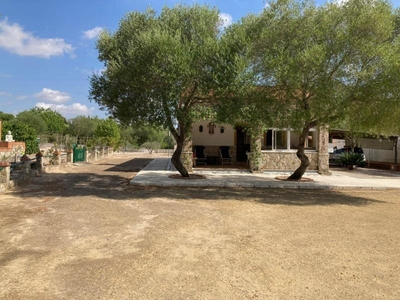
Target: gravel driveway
87,234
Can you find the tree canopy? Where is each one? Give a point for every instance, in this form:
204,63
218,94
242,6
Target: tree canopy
321,65
34,120
6,116
83,126
162,68
108,133
55,122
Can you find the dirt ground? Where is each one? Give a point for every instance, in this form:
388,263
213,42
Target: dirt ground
87,234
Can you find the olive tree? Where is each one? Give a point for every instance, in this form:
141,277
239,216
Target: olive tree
319,65
161,69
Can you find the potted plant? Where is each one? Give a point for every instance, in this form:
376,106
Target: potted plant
24,158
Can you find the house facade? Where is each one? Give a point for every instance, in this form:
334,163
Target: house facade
277,147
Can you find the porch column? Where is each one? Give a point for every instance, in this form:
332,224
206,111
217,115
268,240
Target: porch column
323,151
187,155
255,151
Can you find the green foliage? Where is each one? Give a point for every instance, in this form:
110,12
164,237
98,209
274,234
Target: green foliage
319,62
137,135
33,119
55,122
6,117
160,67
151,146
82,126
168,142
148,133
320,65
108,133
23,133
351,159
128,137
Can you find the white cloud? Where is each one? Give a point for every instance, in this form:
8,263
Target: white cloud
5,94
75,109
14,39
92,33
226,20
2,75
52,96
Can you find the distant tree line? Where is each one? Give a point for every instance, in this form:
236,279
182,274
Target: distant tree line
39,125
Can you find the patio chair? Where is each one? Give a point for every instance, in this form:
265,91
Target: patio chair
200,153
225,154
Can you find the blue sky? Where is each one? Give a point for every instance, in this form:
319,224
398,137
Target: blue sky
47,48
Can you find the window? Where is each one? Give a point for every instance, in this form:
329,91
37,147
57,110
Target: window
286,139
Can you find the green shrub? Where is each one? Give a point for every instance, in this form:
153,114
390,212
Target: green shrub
151,146
351,159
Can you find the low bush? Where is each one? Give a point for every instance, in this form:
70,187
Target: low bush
352,159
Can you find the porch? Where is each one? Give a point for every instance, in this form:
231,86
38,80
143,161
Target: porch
275,148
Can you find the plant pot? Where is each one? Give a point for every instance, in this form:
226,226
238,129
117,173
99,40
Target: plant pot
56,153
24,158
351,167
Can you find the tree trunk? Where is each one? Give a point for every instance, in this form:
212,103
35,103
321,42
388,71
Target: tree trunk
298,174
176,156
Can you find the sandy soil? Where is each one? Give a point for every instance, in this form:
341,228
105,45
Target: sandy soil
87,234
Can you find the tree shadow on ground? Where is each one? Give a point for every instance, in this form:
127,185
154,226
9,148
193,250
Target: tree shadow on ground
134,165
116,187
103,182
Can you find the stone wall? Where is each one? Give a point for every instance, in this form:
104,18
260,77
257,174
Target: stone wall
94,154
10,149
43,164
274,160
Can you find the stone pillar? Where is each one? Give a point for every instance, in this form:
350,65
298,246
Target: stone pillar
27,165
87,153
5,176
39,162
56,158
255,159
187,155
323,150
27,168
70,157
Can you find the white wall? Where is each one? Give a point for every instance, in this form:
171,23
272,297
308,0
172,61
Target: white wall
379,155
378,150
217,139
375,144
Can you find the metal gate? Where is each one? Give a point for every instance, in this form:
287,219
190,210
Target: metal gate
79,154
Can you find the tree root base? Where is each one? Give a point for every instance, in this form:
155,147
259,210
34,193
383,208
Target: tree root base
191,176
303,179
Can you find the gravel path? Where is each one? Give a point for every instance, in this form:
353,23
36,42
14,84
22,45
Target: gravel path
87,234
